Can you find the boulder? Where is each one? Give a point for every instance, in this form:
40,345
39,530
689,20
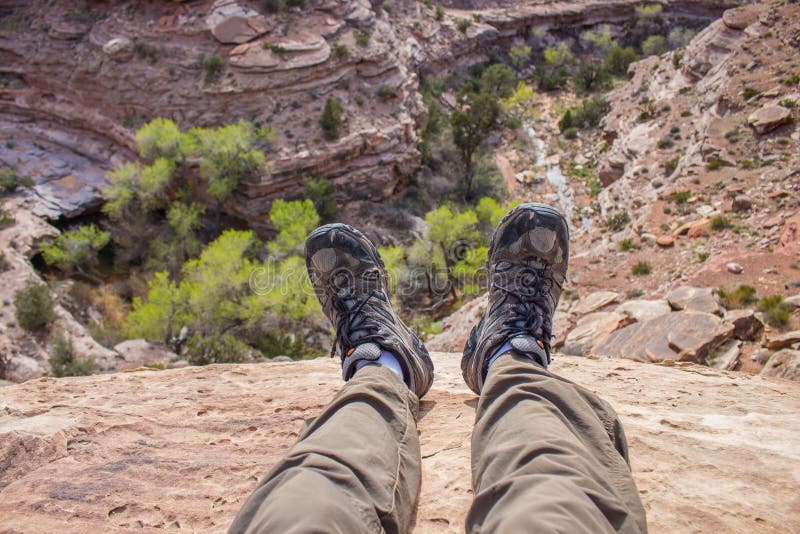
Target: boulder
726,357
119,48
665,241
783,341
593,302
136,353
768,118
793,301
746,325
233,23
644,310
734,268
591,329
783,364
684,336
690,298
741,204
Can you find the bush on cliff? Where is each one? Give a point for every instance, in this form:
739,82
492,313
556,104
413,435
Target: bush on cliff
34,307
331,119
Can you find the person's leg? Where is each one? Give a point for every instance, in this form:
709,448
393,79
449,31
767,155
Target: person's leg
355,468
548,456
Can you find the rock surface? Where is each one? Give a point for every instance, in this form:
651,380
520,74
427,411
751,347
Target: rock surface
783,364
643,310
768,118
781,341
184,448
686,335
700,299
594,301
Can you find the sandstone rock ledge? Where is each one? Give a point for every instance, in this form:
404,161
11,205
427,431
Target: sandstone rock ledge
181,449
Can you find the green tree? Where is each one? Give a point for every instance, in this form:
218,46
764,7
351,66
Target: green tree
520,103
226,156
394,260
471,123
680,37
64,361
619,59
489,213
591,76
320,192
560,56
159,138
457,236
34,306
655,45
519,54
600,39
498,80
214,299
294,220
331,120
179,240
76,249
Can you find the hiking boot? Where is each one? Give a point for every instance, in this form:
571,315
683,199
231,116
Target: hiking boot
351,284
527,267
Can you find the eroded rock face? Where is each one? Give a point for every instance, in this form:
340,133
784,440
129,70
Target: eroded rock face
783,364
768,118
679,336
690,298
209,434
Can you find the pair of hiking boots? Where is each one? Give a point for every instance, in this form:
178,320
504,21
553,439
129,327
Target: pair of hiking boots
527,266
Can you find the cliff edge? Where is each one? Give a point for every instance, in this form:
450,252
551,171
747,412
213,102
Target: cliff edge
182,449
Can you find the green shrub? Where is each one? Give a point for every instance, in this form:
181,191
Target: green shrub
664,142
386,92
64,362
221,348
320,192
463,25
749,93
792,80
738,298
624,245
362,37
34,307
655,45
76,249
671,165
331,119
702,256
619,59
4,264
720,222
439,13
713,165
641,268
587,114
11,179
617,222
680,197
775,310
571,133
145,53
340,51
6,219
212,66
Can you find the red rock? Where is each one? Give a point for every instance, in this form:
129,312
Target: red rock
665,241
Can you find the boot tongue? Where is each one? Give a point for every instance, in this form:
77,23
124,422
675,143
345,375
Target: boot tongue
530,345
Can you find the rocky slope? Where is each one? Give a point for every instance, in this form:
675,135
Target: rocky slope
183,448
76,80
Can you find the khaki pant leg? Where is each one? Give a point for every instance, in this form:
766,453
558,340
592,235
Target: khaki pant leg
548,456
355,468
